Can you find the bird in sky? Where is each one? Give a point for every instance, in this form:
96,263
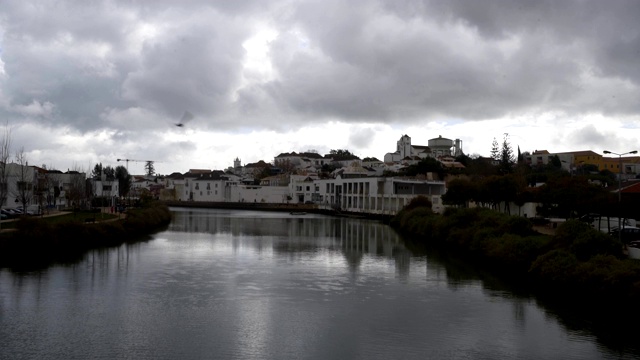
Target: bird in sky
185,118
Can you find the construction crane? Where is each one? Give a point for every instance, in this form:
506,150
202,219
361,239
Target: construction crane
148,163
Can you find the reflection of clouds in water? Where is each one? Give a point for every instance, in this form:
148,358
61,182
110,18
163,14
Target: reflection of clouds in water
334,250
239,296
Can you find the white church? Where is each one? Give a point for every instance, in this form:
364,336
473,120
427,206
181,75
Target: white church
438,147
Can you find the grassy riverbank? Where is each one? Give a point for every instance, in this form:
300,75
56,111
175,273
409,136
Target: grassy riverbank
38,242
577,263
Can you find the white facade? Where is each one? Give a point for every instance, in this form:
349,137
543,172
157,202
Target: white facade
351,193
104,187
17,174
437,147
205,189
42,188
376,195
259,194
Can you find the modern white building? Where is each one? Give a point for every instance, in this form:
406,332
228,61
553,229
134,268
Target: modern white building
376,195
36,187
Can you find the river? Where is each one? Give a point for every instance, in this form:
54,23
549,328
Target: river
221,284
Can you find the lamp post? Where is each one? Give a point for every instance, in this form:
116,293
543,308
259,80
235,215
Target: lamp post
620,188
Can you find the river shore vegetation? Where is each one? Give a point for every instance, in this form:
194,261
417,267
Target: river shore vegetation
39,242
577,263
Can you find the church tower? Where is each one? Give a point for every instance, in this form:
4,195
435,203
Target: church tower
404,146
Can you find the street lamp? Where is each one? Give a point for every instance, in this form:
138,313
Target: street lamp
620,187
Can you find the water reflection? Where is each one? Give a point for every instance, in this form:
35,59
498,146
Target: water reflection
245,285
293,234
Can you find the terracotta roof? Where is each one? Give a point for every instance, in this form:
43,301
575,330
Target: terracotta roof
629,186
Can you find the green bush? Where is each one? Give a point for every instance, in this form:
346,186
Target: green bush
592,242
555,268
37,243
577,260
419,202
568,231
516,252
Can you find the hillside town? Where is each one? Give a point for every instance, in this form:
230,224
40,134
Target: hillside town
339,180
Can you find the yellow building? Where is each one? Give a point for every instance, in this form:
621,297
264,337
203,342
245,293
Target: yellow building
630,164
573,160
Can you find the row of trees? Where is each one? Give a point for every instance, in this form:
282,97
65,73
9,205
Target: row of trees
505,179
562,196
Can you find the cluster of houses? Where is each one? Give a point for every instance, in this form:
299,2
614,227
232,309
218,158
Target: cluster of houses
337,181
37,188
626,167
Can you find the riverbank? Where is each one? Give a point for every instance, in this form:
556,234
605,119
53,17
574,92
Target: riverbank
36,243
577,263
291,208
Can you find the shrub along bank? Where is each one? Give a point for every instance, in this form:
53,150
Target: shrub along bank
37,243
577,263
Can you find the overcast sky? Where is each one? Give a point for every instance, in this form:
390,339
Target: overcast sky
83,82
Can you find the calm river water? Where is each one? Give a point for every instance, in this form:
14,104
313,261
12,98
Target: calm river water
258,285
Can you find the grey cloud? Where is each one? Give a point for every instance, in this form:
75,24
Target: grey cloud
361,138
363,61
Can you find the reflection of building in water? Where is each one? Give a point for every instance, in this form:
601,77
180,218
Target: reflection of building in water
353,237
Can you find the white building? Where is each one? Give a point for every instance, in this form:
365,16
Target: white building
437,147
376,195
36,187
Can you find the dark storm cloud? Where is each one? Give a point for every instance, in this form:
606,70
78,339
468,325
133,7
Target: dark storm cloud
89,65
470,60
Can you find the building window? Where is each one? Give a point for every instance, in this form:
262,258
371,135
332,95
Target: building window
197,186
208,186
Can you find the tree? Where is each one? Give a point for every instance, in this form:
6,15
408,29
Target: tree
480,167
5,153
507,158
460,192
555,162
52,184
124,180
425,165
149,168
24,179
285,165
76,192
495,150
96,173
342,154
